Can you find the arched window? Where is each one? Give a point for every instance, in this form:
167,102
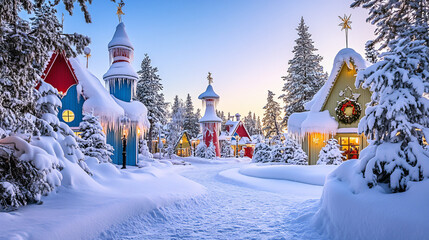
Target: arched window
68,116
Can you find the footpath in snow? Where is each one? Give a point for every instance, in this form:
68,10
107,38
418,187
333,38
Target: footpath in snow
236,206
110,197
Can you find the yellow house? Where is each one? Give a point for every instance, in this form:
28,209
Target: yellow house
183,146
335,110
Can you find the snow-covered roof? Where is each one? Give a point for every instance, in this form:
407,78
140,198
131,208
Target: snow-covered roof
294,122
346,56
232,129
99,101
210,116
120,38
307,122
209,93
120,70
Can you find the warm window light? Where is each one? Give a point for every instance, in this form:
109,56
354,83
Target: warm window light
124,131
316,138
68,116
138,131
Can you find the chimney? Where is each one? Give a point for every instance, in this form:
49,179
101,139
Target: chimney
237,116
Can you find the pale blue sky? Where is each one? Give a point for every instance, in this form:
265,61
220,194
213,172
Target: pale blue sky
246,44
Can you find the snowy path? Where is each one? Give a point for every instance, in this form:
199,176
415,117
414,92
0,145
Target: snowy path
228,211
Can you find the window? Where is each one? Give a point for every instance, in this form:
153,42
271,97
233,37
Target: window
350,147
68,116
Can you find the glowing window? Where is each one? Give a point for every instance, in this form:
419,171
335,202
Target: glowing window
68,116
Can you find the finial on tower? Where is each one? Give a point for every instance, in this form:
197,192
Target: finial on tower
119,11
209,77
345,24
87,52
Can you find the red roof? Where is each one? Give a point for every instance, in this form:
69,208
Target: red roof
59,73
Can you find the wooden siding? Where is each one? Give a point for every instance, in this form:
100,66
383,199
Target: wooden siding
71,101
346,78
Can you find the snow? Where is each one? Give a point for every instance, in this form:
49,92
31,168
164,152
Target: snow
210,113
350,210
295,121
321,122
120,70
216,160
348,56
120,38
312,174
209,93
99,101
347,130
84,211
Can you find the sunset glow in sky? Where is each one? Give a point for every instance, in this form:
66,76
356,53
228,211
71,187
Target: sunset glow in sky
246,44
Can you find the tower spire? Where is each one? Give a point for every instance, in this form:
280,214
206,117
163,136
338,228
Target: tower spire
209,77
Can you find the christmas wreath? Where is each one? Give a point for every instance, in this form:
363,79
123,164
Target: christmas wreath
348,111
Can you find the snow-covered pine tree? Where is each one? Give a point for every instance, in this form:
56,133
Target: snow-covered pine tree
175,126
305,74
201,150
47,107
250,123
210,151
190,121
24,51
371,54
93,140
397,118
226,149
293,153
149,92
262,153
271,119
331,154
277,153
144,149
258,126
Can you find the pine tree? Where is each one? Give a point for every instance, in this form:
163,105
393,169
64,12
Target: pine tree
305,74
201,150
149,92
293,153
250,123
277,153
271,119
396,119
175,126
331,154
190,122
371,53
24,51
210,151
262,153
93,140
226,149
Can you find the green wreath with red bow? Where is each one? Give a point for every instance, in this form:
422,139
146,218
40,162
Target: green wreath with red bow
348,117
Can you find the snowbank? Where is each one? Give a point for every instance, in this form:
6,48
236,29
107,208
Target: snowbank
356,212
84,212
314,174
293,189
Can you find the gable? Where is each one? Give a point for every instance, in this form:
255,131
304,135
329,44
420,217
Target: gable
241,131
345,78
185,141
59,73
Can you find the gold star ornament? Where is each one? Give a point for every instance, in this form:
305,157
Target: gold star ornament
346,25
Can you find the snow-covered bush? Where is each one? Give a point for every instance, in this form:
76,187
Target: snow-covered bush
93,140
201,150
26,173
210,151
293,153
331,154
144,149
226,149
262,153
241,153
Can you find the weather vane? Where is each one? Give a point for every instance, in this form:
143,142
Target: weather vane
209,77
119,11
345,24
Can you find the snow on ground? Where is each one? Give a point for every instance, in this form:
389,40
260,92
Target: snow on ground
313,174
230,210
356,212
80,212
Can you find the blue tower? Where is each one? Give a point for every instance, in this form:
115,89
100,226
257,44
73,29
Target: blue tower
121,80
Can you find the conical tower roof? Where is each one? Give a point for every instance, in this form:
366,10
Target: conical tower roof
120,38
209,93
